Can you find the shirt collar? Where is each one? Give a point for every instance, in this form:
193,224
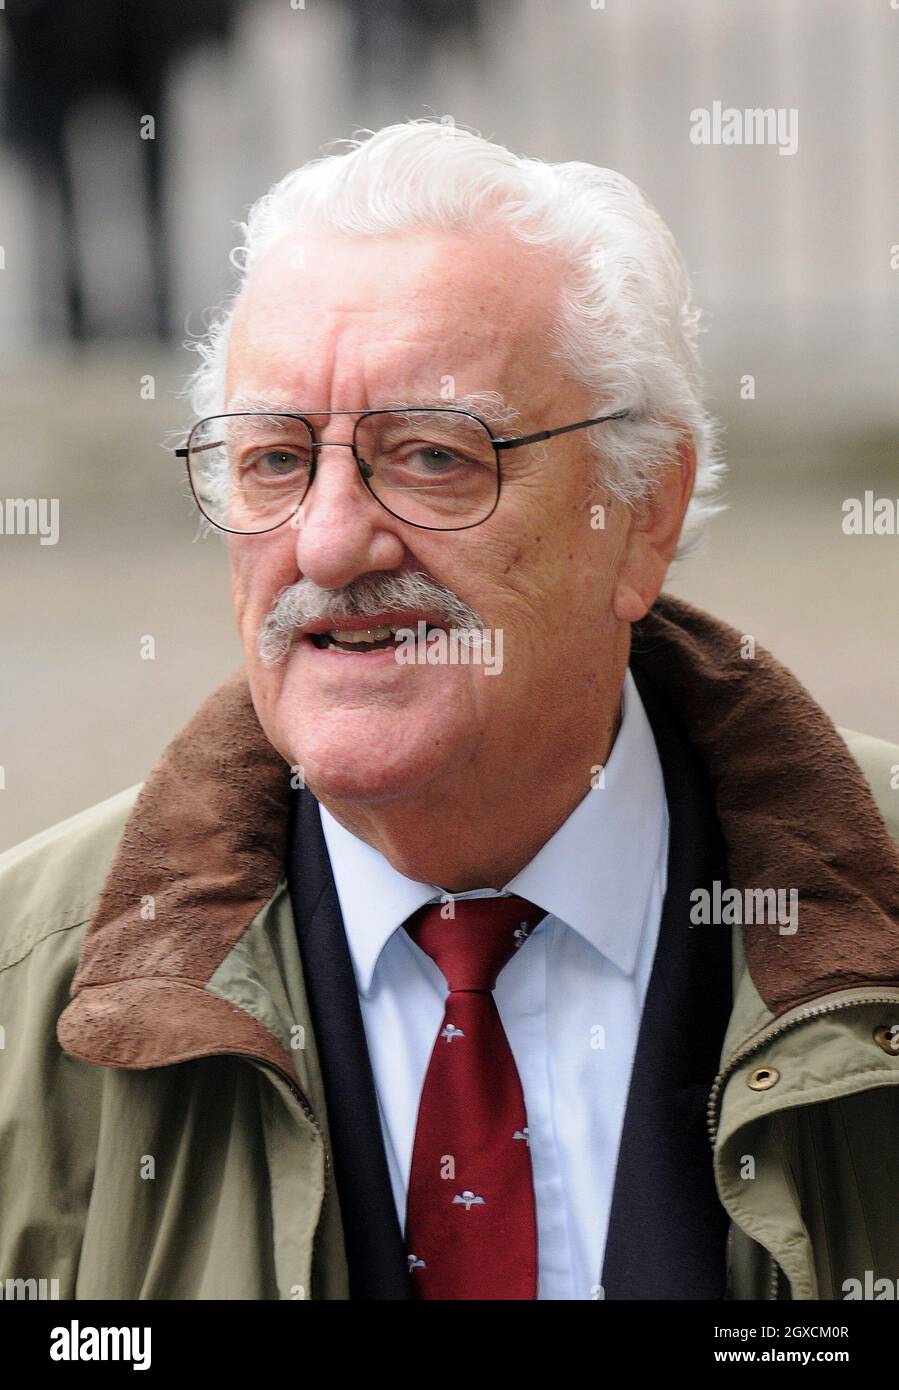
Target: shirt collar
595,873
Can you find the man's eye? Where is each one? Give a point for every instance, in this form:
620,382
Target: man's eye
274,463
429,458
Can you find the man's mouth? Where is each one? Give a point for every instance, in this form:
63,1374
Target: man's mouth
358,641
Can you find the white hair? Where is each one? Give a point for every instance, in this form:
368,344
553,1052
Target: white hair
626,326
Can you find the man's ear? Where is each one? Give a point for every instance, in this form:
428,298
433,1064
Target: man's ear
653,536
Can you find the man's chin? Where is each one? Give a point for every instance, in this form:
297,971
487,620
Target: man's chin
351,786
352,771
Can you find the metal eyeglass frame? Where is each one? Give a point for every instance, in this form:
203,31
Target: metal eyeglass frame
365,469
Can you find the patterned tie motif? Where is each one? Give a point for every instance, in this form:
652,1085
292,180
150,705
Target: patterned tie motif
471,1225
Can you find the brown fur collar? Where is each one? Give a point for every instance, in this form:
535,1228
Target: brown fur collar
207,839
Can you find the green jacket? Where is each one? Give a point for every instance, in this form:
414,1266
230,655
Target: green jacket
163,1130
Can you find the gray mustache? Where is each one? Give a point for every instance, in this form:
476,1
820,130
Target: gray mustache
304,602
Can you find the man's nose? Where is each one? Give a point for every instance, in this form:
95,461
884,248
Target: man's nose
342,531
364,468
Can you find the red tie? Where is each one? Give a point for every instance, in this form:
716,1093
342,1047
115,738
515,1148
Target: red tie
471,1224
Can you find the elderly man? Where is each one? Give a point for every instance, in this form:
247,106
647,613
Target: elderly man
505,931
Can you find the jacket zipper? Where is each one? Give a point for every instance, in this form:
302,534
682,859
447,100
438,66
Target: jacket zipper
791,1019
307,1110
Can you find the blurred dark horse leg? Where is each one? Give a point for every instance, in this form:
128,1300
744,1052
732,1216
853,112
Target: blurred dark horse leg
62,51
153,155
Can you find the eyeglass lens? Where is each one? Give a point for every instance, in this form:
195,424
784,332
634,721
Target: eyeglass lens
435,468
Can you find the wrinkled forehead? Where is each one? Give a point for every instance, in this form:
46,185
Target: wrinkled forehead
429,303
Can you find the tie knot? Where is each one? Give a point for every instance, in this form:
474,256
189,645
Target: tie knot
472,946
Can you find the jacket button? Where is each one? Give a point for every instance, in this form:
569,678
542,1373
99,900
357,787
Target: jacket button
763,1078
887,1037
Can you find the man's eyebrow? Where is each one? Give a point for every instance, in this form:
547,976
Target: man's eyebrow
489,405
269,404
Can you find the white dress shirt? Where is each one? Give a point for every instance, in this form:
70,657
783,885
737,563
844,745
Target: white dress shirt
570,998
